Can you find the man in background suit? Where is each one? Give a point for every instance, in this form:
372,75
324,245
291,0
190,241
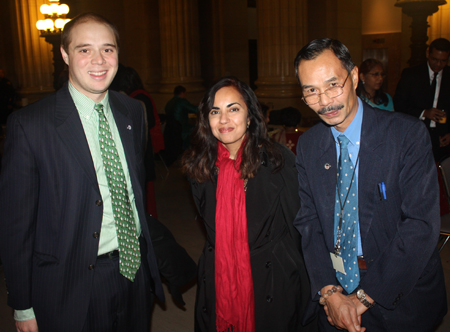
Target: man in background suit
369,245
66,201
424,92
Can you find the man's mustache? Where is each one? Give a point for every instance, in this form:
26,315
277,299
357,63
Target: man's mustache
328,109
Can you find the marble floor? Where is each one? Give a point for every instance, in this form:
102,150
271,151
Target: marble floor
176,210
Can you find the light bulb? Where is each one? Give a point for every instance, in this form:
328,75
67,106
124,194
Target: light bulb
53,8
48,24
59,23
40,25
63,9
44,9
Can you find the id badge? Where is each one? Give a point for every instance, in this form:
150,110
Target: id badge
338,263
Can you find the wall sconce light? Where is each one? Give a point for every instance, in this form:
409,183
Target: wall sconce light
50,29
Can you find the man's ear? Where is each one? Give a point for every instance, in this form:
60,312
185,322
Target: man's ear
65,56
354,75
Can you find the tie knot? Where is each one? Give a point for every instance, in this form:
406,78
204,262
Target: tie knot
343,141
99,108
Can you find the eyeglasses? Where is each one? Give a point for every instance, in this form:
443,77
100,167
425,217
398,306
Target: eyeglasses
331,92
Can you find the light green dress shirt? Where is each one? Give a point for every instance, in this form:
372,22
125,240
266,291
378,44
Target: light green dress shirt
89,119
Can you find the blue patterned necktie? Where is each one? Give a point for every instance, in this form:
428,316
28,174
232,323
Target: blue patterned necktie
129,251
347,198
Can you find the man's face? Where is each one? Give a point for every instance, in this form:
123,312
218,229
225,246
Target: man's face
92,59
322,73
437,60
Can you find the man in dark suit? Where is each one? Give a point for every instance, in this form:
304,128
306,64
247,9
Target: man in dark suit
424,92
370,244
74,243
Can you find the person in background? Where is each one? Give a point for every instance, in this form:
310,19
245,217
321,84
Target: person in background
371,77
289,134
251,272
178,129
74,241
131,84
369,216
424,92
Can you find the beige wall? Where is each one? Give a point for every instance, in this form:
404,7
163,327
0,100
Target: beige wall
381,16
439,23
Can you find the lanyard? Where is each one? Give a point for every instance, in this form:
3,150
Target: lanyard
337,247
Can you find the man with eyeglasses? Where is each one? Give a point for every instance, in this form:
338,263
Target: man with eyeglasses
369,215
424,92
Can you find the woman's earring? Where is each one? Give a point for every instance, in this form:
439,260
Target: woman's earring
363,82
248,125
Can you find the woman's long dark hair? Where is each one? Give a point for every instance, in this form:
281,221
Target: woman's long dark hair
380,97
199,161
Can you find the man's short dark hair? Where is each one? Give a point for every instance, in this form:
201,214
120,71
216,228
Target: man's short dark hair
291,116
179,89
66,38
441,44
315,48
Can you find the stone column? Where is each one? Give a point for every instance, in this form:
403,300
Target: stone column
180,54
281,34
419,11
34,66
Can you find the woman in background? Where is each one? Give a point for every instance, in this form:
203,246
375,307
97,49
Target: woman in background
251,272
371,76
129,82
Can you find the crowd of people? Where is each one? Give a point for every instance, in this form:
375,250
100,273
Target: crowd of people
334,228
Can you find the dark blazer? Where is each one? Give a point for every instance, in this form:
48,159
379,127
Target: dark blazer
412,97
399,234
279,277
51,207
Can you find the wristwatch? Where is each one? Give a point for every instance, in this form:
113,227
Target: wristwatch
361,295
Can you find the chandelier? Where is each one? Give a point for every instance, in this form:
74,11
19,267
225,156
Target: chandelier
55,18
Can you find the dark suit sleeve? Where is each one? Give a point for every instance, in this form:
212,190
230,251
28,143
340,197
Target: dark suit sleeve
404,98
411,94
317,257
290,200
19,188
174,263
410,218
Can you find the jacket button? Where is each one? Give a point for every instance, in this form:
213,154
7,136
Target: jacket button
210,248
268,264
204,309
91,267
98,202
95,235
269,298
204,279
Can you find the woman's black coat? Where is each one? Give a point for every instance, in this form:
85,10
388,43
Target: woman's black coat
280,281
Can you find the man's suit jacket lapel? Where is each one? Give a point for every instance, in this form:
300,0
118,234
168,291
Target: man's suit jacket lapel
125,127
327,176
370,163
70,130
443,101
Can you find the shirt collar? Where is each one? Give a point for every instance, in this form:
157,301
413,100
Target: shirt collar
353,131
431,72
85,105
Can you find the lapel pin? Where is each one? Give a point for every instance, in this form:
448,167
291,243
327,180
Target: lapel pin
327,166
129,127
